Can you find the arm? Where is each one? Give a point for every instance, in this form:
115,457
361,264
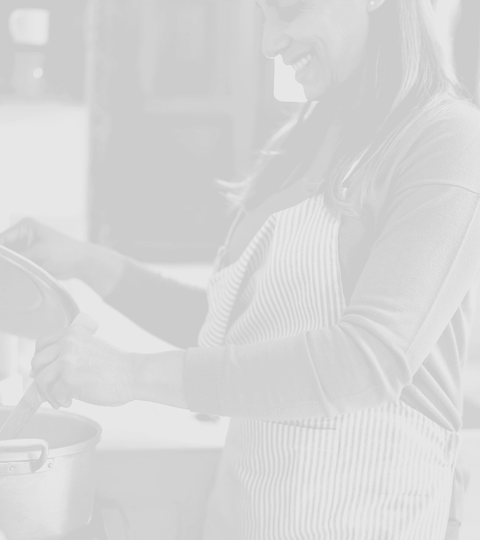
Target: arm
395,317
164,307
424,260
170,310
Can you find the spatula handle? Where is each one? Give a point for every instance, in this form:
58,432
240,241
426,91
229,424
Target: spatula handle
21,414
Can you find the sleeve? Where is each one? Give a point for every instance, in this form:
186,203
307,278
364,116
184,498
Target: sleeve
169,310
424,260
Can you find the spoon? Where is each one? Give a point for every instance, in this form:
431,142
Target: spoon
31,399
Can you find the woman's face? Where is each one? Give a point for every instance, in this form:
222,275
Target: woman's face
323,40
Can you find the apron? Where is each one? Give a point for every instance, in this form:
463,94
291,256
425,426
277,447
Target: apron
376,474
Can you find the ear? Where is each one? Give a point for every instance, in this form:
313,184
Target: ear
373,5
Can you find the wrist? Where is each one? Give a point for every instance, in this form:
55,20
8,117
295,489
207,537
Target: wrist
158,378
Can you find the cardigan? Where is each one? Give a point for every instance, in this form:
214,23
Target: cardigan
409,270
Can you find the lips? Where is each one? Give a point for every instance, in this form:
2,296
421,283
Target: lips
302,62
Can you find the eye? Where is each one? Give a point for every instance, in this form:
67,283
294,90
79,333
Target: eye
285,13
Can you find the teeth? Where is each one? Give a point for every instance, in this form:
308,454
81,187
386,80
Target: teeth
303,62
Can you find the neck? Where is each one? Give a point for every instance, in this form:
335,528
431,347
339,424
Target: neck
350,94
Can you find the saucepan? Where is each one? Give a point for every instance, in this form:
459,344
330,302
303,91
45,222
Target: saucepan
47,474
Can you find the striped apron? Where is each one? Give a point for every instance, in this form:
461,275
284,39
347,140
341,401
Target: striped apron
377,474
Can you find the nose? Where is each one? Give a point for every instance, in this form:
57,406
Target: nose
274,39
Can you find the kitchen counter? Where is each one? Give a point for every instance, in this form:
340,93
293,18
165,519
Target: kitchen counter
149,426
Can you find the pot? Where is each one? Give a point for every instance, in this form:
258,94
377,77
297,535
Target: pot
47,477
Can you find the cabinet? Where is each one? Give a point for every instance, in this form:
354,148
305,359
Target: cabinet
174,89
52,69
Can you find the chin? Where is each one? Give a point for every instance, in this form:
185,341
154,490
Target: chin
316,88
314,93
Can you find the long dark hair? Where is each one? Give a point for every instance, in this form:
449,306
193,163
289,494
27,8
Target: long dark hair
407,78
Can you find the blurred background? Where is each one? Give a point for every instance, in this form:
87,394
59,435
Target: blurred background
118,116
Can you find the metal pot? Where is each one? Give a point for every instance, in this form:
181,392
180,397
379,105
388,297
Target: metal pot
47,478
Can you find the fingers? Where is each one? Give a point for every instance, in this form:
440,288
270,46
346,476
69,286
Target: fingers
85,322
48,340
47,364
81,323
21,236
60,394
45,381
52,388
49,348
44,358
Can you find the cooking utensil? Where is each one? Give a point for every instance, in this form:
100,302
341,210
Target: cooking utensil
21,414
47,480
31,399
32,302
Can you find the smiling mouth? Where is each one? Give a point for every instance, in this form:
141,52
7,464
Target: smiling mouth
301,64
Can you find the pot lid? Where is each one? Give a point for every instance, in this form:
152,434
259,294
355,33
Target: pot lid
32,302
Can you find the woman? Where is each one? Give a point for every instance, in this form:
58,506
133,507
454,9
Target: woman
339,308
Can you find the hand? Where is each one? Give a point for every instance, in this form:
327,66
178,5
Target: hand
58,254
64,257
74,363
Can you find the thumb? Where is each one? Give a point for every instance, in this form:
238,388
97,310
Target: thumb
20,236
86,322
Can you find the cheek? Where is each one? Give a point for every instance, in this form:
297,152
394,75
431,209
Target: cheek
311,36
355,46
307,27
344,49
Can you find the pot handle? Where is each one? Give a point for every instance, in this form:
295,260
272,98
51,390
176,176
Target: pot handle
25,445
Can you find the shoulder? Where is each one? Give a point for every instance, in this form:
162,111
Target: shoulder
442,147
455,125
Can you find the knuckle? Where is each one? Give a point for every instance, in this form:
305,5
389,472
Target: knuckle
68,377
44,341
40,343
64,362
69,343
74,330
